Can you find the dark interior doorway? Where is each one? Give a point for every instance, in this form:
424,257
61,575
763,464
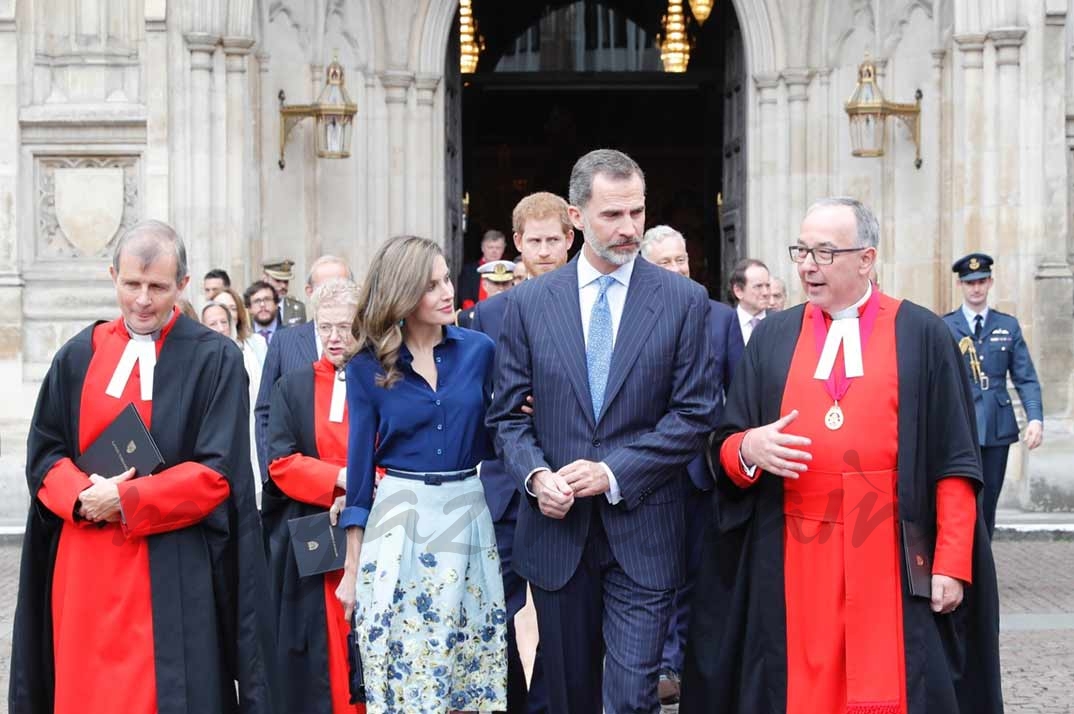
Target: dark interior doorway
557,79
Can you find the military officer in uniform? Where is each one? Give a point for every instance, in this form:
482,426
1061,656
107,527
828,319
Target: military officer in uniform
992,345
279,272
496,277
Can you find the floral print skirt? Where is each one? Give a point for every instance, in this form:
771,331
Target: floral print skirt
430,615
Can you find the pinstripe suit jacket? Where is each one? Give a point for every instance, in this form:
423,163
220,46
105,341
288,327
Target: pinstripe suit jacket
659,402
289,350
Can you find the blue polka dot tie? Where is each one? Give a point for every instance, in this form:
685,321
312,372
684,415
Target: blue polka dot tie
598,351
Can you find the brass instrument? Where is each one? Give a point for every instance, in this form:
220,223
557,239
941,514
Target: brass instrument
967,347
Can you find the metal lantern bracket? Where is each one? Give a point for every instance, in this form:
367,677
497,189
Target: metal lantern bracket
910,116
290,117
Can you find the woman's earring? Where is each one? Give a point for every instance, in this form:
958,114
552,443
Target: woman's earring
401,322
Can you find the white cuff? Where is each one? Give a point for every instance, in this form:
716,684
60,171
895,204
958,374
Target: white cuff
529,477
614,495
750,471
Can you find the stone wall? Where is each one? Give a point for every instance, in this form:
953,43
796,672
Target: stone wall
116,110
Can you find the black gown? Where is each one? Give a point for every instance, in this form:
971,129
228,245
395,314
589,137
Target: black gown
736,660
212,626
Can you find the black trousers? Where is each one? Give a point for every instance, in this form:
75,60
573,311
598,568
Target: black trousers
994,466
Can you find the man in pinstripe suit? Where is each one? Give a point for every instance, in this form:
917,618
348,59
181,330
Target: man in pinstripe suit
616,355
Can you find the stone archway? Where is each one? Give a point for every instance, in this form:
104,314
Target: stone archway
761,52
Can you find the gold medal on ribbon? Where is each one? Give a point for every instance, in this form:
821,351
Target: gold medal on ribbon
834,418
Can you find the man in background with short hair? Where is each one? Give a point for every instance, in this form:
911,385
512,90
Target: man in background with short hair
777,294
279,272
750,288
260,299
214,281
992,346
470,290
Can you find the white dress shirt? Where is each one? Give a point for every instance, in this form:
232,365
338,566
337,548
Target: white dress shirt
744,322
970,315
588,291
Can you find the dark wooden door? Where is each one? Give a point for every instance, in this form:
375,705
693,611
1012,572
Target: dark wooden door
453,152
732,209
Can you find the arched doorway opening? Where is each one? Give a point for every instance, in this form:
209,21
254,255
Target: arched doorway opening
557,79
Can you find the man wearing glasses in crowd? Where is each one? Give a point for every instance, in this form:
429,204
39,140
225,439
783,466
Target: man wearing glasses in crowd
261,299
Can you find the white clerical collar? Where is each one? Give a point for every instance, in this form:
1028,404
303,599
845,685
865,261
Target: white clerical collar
843,331
141,350
588,274
852,311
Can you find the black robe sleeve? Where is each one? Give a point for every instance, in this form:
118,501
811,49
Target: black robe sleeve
953,659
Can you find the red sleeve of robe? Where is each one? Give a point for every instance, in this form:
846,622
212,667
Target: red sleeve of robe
730,461
306,479
60,490
956,516
175,498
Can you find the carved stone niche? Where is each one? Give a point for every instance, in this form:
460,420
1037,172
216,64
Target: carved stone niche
86,51
83,204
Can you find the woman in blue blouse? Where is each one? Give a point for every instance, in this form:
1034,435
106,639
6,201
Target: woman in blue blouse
422,573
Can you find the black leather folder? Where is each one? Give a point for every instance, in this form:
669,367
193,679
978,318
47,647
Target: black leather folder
918,544
123,444
318,545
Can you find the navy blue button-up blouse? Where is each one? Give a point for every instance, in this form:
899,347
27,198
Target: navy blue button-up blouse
411,427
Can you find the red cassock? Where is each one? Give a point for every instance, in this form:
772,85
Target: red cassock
842,577
312,480
101,597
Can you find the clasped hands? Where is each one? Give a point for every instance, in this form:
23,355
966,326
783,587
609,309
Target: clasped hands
556,490
100,502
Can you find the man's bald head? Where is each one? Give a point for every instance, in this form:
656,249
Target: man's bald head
324,269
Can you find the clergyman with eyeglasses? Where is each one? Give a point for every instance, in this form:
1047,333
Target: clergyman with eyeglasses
849,567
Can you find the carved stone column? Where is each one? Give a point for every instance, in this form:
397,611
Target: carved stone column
427,165
969,133
769,177
797,81
236,51
199,234
1008,43
397,84
823,153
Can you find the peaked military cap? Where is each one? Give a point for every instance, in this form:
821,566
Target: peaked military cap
498,271
279,268
973,267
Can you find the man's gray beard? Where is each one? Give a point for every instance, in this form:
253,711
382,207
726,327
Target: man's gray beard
610,255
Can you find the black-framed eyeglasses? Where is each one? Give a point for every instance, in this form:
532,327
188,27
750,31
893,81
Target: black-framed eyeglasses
821,256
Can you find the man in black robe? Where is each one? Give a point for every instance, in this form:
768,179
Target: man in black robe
175,556
737,657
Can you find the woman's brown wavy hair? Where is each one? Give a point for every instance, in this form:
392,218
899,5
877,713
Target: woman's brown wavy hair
395,283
